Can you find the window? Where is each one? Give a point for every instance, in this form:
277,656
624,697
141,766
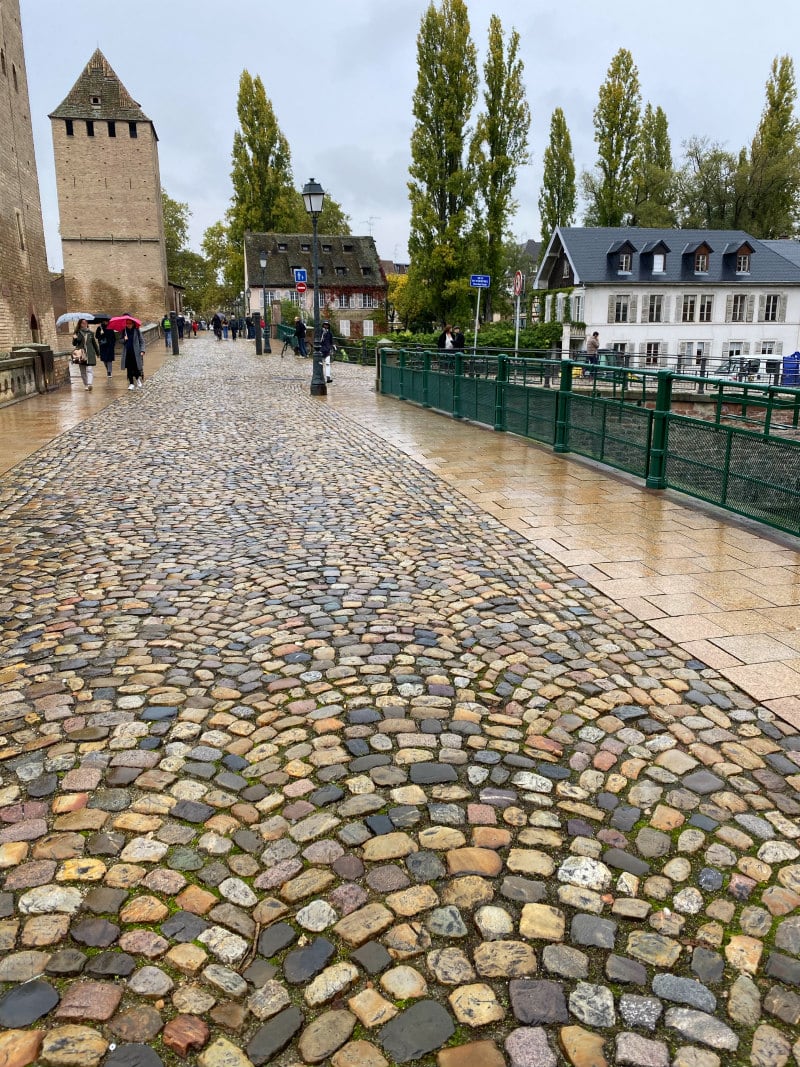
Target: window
565,269
89,128
295,298
343,300
305,247
771,305
655,309
347,248
620,346
687,312
735,348
344,327
625,262
326,248
14,78
743,263
132,131
20,231
282,246
739,308
767,348
69,127
701,263
367,300
368,328
706,307
366,270
659,263
95,101
2,61
577,307
341,270
652,352
621,308
112,129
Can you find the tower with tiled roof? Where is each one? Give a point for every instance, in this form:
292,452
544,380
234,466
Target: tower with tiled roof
109,198
26,307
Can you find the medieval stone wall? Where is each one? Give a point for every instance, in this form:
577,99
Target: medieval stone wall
26,311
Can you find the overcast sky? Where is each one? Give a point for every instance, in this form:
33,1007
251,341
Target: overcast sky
341,75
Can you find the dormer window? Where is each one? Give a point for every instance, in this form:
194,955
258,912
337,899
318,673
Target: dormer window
347,248
282,246
743,263
341,270
625,262
327,248
366,270
305,247
701,262
95,101
659,263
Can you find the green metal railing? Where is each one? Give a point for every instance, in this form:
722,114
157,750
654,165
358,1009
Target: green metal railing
744,456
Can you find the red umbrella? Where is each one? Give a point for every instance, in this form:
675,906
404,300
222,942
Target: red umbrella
119,322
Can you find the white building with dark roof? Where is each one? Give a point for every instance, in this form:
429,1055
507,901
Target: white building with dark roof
693,295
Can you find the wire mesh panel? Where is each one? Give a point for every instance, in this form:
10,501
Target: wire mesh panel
530,412
478,399
736,469
414,381
440,391
390,377
613,433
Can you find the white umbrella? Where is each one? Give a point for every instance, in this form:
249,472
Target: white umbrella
74,316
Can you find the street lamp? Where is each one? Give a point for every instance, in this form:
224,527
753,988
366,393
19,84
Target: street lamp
262,259
247,313
313,198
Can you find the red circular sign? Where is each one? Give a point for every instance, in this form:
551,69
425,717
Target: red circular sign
519,283
301,287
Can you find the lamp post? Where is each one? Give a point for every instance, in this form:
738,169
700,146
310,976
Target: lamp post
313,198
247,294
257,321
262,259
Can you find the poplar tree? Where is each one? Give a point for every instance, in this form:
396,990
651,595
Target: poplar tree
558,195
499,147
610,192
442,185
775,157
655,175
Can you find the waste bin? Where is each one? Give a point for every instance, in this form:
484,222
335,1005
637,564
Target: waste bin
791,370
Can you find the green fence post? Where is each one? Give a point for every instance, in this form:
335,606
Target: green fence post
563,399
657,465
401,362
458,370
500,381
426,374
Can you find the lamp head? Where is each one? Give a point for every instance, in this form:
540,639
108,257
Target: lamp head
262,259
313,196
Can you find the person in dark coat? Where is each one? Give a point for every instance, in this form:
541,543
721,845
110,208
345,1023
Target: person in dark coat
458,338
300,334
106,340
132,354
326,347
87,350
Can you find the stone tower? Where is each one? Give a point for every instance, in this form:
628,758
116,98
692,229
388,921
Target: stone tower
26,308
109,198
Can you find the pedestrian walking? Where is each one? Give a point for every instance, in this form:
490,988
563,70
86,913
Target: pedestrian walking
181,326
106,342
225,329
592,352
445,341
85,353
166,326
216,326
133,354
458,338
300,334
326,347
194,327
234,329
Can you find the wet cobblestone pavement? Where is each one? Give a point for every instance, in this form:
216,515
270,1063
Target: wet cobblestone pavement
304,759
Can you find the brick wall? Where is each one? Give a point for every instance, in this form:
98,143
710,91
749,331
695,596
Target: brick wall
26,312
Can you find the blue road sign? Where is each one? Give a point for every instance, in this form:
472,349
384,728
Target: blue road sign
480,281
300,275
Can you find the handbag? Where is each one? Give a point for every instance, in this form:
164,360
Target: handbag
79,356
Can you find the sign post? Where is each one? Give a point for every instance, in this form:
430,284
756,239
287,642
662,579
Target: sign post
519,289
478,281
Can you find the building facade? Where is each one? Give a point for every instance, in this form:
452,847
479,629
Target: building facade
109,198
352,284
674,297
26,309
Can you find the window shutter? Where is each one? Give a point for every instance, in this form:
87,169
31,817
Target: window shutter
645,308
782,308
745,348
761,301
665,309
643,348
779,348
679,308
611,306
548,308
729,308
632,315
560,307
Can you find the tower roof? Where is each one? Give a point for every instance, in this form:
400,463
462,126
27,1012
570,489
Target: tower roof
99,94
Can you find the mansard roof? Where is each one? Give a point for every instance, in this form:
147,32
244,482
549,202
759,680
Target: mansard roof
592,252
99,94
345,262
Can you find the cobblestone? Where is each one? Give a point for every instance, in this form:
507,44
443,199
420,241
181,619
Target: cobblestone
297,739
